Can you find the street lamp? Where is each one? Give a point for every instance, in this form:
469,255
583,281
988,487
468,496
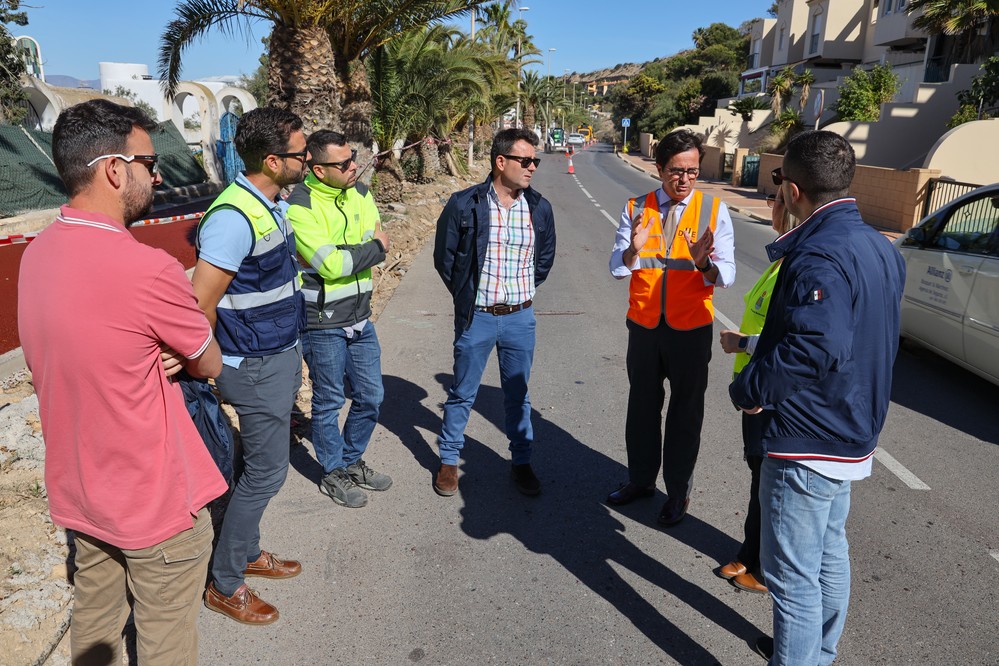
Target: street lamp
548,81
516,122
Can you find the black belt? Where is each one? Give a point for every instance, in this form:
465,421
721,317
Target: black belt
497,310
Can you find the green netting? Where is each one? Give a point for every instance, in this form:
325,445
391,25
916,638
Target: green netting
177,165
29,181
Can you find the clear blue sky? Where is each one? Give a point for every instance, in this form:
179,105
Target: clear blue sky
77,34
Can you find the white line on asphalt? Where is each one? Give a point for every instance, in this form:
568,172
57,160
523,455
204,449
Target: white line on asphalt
609,218
726,322
585,192
995,554
899,470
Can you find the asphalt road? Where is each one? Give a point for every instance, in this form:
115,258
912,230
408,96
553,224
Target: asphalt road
493,577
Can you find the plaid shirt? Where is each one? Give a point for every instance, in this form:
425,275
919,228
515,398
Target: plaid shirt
508,271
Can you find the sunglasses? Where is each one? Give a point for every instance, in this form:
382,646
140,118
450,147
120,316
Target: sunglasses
148,161
778,177
342,166
298,156
771,200
524,161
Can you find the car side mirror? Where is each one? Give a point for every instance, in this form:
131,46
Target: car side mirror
917,235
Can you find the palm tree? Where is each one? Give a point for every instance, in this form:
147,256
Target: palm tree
317,47
804,82
962,19
781,88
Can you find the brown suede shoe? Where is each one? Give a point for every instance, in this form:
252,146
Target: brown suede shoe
446,483
270,566
731,570
243,606
749,583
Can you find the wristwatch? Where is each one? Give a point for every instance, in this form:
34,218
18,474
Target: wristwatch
707,267
743,342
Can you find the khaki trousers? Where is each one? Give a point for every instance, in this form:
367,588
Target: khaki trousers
162,584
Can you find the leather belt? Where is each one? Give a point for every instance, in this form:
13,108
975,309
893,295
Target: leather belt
499,310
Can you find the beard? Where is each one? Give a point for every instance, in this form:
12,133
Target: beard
290,176
137,200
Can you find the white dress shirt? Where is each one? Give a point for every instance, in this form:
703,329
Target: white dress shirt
723,255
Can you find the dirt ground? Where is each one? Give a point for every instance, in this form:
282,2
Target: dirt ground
35,587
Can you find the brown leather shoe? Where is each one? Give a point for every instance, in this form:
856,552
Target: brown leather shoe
673,511
446,483
243,606
731,570
749,583
270,566
628,493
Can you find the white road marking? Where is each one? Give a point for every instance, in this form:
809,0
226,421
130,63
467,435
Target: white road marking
585,192
609,218
995,554
726,322
899,470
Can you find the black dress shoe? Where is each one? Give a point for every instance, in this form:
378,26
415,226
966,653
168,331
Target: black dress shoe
673,511
628,493
764,646
525,480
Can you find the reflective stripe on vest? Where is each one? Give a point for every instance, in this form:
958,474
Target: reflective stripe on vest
685,299
261,310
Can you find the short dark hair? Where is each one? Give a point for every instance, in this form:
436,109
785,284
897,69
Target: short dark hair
88,130
821,164
264,131
676,142
319,140
504,140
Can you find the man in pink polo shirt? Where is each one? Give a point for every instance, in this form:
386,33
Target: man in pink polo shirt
101,316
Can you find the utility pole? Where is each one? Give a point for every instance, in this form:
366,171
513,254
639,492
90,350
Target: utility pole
548,81
516,121
471,115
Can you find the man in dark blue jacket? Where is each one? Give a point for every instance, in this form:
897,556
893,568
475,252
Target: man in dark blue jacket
495,244
821,374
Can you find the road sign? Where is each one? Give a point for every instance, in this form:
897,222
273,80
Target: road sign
626,122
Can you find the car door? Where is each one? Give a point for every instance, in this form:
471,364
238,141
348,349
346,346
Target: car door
941,271
981,326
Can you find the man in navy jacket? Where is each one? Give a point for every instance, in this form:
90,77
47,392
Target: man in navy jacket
821,374
495,244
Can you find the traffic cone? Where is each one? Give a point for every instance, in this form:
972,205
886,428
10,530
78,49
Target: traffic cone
571,170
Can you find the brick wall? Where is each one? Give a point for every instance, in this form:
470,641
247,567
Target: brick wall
890,199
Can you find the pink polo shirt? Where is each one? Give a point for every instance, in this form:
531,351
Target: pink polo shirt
123,460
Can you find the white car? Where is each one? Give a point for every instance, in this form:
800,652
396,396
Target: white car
576,140
951,298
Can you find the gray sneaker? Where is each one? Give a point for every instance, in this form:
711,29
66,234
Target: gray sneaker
368,478
340,488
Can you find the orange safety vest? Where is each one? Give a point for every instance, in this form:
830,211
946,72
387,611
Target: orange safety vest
686,300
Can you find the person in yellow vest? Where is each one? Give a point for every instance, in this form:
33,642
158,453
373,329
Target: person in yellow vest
745,571
676,245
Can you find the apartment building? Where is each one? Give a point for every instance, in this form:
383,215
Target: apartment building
830,38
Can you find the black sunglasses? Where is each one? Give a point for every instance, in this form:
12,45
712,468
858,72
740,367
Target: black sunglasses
778,177
524,161
342,166
299,156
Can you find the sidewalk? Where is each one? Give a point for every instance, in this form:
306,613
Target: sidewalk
744,200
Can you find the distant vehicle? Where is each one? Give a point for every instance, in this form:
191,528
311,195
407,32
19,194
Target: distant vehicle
586,131
576,140
555,140
951,298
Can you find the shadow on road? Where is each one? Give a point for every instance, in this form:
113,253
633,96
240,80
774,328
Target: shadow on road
931,385
568,521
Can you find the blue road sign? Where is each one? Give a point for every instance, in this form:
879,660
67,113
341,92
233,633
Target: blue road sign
626,122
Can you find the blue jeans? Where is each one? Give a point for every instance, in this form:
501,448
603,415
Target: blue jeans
331,356
262,391
513,337
806,560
